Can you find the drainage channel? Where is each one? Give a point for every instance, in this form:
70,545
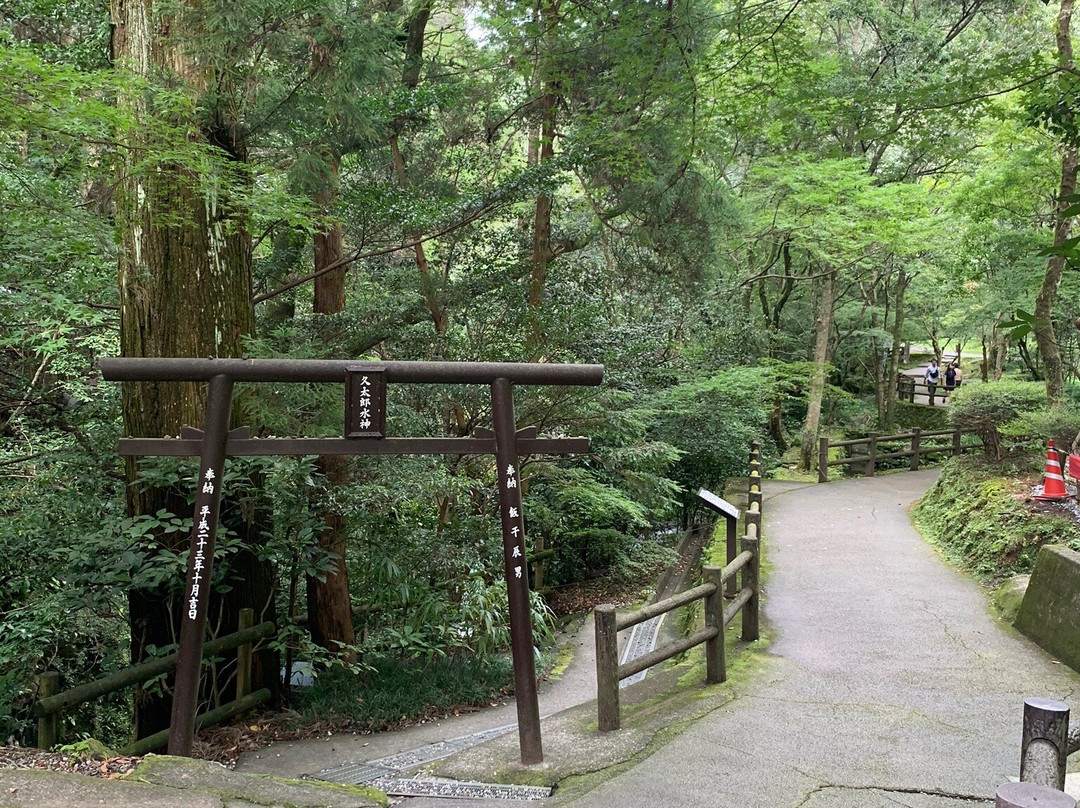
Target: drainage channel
382,772
642,641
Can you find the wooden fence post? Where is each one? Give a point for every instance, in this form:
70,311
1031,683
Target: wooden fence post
871,451
750,577
914,464
48,725
731,542
956,442
715,661
823,460
245,619
607,667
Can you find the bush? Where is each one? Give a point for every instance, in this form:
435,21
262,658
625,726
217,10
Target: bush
986,408
979,518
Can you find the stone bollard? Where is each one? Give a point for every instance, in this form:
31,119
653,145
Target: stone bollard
1031,795
1043,748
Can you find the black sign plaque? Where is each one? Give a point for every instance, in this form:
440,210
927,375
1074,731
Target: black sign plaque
365,401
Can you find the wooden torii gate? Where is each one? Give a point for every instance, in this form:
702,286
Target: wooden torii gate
365,433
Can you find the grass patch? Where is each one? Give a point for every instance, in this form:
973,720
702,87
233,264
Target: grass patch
399,692
982,522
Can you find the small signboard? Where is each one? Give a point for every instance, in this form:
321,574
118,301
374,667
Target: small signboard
365,401
718,504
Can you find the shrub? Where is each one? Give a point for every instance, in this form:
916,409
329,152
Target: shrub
979,518
986,408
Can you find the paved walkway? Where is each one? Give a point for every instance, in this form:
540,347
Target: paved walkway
888,682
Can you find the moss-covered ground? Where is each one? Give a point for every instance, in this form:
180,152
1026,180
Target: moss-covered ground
983,519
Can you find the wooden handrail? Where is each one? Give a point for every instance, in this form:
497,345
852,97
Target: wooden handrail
608,622
916,450
50,706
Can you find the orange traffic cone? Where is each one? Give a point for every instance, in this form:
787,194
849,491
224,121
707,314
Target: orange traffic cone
1053,482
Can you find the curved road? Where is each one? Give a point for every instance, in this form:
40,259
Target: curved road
888,682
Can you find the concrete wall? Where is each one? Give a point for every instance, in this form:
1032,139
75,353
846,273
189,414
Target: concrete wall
1050,611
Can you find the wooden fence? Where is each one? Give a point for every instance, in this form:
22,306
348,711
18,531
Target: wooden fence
907,387
609,623
868,450
51,705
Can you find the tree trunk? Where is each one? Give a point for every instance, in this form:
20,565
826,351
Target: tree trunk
184,270
889,422
823,324
1049,351
329,604
410,78
541,251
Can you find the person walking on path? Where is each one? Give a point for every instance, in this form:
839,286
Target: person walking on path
950,378
932,376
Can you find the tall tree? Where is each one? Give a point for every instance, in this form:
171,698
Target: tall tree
1049,351
184,268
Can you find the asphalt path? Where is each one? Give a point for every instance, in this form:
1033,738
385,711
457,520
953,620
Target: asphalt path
888,681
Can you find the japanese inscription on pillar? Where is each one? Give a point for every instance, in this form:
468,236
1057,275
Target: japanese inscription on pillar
207,498
365,402
513,525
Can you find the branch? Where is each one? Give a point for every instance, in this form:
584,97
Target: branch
359,256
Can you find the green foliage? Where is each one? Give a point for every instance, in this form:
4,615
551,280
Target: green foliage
712,423
395,690
929,419
980,519
987,408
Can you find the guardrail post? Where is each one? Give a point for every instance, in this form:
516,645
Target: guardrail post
956,442
871,451
751,573
823,460
914,464
48,725
715,660
1045,740
731,541
607,667
245,619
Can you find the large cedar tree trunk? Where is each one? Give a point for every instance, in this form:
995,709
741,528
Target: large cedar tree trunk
184,272
329,604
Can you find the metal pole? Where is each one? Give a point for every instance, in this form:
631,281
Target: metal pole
517,574
200,567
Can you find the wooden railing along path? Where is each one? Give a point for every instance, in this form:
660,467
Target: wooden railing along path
918,444
907,387
609,623
51,704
